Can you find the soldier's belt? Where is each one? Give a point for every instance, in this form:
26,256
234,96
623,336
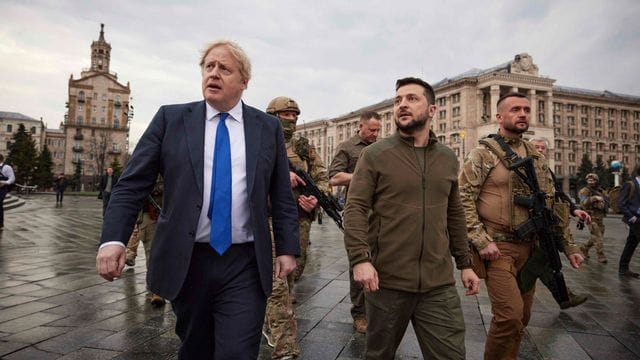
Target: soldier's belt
498,236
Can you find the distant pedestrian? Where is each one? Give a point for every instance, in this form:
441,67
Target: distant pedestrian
7,177
629,203
107,182
60,185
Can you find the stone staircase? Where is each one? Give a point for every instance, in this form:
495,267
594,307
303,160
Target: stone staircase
12,202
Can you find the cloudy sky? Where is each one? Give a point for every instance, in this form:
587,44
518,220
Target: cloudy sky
331,56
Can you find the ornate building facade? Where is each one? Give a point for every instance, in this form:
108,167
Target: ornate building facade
96,126
601,124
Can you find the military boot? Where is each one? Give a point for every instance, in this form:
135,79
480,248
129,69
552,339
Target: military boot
574,300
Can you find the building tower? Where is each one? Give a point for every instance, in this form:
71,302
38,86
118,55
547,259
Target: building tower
96,125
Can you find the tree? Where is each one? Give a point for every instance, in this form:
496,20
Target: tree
22,156
98,149
76,180
586,166
117,168
43,175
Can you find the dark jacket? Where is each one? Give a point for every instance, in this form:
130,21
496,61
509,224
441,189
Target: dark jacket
173,146
629,205
104,179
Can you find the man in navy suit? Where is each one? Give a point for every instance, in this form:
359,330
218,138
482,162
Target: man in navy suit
219,299
629,203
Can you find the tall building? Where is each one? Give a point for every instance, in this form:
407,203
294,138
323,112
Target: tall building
96,125
9,123
600,124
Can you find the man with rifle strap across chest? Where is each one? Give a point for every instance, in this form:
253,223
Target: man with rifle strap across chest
508,197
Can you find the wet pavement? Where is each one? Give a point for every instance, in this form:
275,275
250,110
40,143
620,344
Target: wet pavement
54,306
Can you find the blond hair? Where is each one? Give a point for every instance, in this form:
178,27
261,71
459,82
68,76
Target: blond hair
244,64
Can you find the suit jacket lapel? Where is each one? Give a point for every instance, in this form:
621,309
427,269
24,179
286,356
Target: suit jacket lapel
252,138
194,120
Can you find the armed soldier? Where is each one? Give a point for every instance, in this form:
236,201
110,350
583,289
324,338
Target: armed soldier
594,200
340,173
539,267
488,186
280,325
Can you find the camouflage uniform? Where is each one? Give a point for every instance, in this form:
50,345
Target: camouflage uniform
345,160
596,208
487,188
280,325
304,156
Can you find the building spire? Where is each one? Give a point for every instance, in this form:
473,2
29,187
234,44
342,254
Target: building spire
101,32
100,53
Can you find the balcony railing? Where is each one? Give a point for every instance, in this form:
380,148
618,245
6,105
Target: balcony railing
78,137
78,148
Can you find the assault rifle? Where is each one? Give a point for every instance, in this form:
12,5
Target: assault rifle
330,205
541,223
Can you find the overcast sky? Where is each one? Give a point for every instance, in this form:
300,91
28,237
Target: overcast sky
330,56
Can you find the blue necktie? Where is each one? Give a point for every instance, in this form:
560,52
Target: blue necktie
220,200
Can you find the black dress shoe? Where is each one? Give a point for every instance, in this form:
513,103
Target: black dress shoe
629,273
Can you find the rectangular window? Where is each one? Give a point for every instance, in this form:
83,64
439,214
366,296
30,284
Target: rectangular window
572,156
570,107
598,123
572,121
9,129
558,170
556,119
456,111
557,107
455,98
442,114
557,156
584,109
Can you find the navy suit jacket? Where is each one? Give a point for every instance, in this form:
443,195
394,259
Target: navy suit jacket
173,146
629,206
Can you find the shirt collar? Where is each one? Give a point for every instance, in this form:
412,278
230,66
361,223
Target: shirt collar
235,112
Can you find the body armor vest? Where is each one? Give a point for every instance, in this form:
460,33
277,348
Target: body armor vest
517,187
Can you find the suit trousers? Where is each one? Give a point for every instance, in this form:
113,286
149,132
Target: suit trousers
630,246
221,306
511,309
436,317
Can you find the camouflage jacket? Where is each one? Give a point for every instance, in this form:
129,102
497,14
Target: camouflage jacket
594,201
305,157
487,188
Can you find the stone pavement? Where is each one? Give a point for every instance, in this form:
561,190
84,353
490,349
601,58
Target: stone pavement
54,306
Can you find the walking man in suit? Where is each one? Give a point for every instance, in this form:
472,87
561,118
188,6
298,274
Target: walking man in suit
211,256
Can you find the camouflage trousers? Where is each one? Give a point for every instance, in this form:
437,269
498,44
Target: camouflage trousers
146,230
280,320
597,234
305,230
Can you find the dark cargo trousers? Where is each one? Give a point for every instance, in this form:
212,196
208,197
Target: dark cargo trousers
436,317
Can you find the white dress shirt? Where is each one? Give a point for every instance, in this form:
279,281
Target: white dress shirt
241,230
7,171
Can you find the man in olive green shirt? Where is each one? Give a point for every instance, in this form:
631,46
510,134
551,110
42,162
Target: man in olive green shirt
340,173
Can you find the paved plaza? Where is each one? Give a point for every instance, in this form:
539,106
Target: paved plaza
54,306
